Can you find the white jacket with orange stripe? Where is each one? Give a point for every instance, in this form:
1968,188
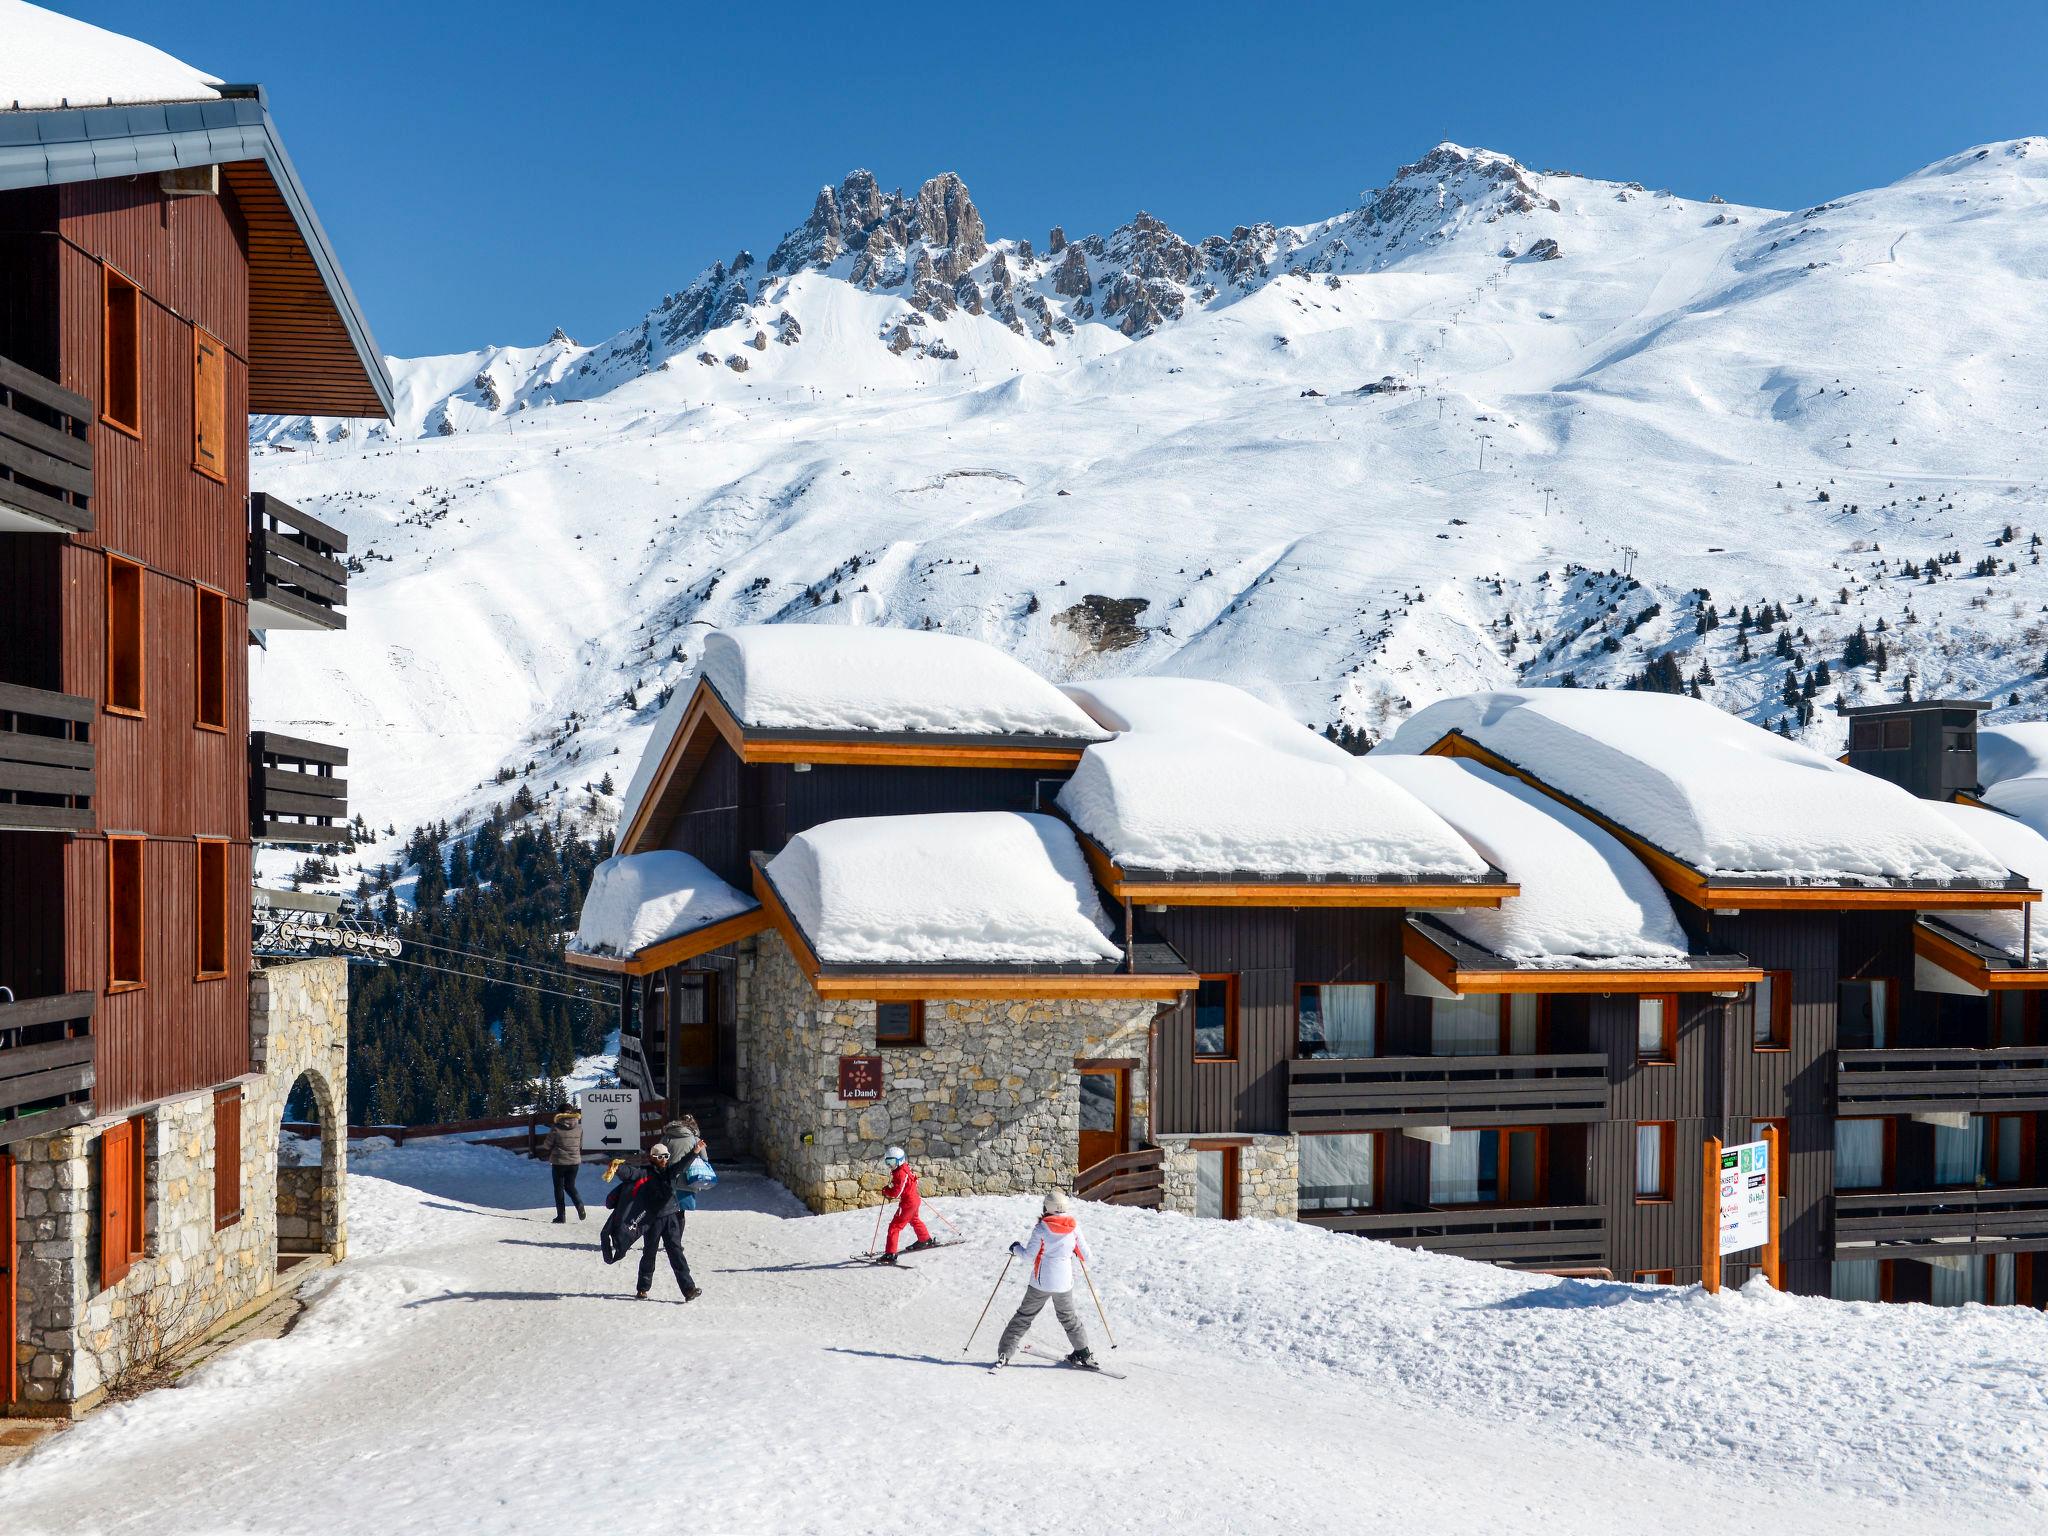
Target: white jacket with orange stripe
1050,1251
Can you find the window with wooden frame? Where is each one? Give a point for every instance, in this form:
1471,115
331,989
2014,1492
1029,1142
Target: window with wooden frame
1656,1159
1866,1152
227,1158
899,1023
1339,1172
1336,1020
1216,1018
2009,1143
2016,1019
1509,1165
121,350
1489,1024
209,407
1657,1029
1216,1170
126,909
1770,1012
1655,1277
1865,1010
211,896
210,660
125,640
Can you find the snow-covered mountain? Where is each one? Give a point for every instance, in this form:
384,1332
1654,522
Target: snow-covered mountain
1490,425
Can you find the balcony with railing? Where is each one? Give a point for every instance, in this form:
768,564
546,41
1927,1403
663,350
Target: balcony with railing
1136,1178
1522,1236
45,454
1921,1224
296,794
1995,1080
46,761
46,1063
1376,1093
296,576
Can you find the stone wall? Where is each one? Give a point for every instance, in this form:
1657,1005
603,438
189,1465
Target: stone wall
989,1104
1268,1177
75,1339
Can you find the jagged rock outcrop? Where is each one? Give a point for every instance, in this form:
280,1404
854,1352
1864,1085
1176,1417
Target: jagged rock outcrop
945,218
1104,623
1545,249
927,291
718,297
1056,241
1154,268
1072,280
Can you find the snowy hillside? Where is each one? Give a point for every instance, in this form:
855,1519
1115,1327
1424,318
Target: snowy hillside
473,1369
1353,466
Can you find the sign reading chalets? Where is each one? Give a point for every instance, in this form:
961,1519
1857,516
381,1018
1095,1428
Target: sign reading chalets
860,1079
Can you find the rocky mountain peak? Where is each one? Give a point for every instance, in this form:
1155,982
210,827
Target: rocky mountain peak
1447,186
878,228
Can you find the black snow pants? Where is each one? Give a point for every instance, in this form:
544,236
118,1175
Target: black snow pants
565,1185
667,1230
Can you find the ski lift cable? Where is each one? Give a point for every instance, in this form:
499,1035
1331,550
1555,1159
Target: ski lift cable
422,965
485,958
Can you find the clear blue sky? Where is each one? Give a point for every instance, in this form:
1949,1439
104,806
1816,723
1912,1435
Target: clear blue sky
491,170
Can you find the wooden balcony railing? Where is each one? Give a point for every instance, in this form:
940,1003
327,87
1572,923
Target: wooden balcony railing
1374,1093
1915,1224
1912,1082
1526,1237
46,763
1128,1178
295,795
46,1064
296,578
45,454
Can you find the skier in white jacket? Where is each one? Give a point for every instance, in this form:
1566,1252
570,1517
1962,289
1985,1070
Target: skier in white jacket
1049,1255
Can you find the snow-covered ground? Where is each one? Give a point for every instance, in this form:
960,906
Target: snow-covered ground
474,1368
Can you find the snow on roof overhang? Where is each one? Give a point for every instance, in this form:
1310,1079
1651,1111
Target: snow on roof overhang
1453,967
1755,893
675,950
1948,960
1258,888
311,351
1149,972
709,712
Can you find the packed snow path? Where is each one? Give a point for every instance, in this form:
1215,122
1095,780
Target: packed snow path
475,1368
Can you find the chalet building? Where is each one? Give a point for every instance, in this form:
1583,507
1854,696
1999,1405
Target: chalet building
1485,992
162,276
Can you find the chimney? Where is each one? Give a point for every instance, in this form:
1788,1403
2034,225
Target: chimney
1927,747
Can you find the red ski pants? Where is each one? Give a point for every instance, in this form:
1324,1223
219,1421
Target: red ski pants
907,1217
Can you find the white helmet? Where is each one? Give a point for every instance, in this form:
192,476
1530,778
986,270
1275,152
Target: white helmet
894,1156
1055,1203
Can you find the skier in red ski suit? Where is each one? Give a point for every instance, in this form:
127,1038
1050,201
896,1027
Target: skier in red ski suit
903,1190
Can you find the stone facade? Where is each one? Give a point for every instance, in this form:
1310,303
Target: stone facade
988,1104
1268,1177
76,1339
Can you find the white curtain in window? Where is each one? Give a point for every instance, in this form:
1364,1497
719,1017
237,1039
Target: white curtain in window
1649,1027
1959,1155
1524,1012
1859,1154
1855,1280
1464,1026
1336,1172
2001,1280
1650,1161
1454,1170
1880,1013
1209,1170
1957,1281
1350,1020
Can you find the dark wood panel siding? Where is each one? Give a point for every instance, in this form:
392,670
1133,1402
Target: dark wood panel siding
708,823
185,252
1248,1094
833,791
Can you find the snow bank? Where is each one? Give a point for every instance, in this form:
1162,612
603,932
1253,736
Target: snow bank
53,61
2017,751
831,677
974,887
1203,778
642,899
2024,851
1724,796
1585,901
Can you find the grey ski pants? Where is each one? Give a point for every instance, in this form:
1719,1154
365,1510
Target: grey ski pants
1027,1311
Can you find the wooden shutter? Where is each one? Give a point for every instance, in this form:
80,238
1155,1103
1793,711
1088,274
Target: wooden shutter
227,1157
209,407
117,1172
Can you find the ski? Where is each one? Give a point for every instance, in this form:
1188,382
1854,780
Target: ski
1060,1359
904,1253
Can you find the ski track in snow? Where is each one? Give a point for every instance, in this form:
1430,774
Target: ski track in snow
475,1368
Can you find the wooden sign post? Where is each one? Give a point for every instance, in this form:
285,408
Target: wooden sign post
1774,1258
1710,1218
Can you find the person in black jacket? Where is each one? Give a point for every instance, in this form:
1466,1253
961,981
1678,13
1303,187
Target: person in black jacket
664,1174
563,1152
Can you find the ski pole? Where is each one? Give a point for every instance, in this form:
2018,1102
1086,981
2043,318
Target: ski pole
875,1240
1098,1304
991,1302
949,1225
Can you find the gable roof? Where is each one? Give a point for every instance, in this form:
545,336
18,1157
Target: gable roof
310,346
653,910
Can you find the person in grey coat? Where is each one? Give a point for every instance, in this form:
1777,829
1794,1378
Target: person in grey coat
563,1152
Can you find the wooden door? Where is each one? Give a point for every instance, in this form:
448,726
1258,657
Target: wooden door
1105,1113
10,1250
694,1029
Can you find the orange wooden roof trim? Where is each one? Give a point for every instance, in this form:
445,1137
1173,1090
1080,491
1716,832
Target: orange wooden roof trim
1939,949
1215,893
1446,971
1681,879
684,946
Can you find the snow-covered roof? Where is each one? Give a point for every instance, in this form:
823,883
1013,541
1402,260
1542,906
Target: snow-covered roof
2016,751
836,677
646,898
52,61
971,888
1202,778
1586,900
2024,851
1727,798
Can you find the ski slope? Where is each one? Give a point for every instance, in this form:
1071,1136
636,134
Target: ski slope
1761,406
474,1368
